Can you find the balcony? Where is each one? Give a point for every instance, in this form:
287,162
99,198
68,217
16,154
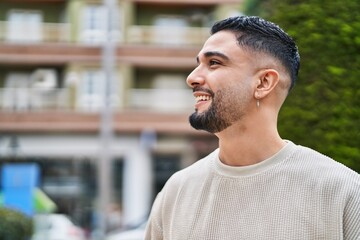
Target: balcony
164,100
188,2
27,99
61,99
162,35
44,33
28,110
60,33
145,47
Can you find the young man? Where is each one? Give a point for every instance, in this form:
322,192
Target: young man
255,185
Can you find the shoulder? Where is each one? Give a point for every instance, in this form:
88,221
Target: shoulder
325,169
196,170
320,161
193,173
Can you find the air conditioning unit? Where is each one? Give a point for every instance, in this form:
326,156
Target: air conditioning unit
43,82
43,79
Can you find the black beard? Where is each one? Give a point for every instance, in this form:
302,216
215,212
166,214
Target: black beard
211,120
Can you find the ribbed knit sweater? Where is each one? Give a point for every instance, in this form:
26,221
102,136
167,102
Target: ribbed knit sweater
296,194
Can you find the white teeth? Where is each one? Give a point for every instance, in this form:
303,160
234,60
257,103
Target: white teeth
203,98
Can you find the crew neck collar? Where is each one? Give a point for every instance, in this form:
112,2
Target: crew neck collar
244,171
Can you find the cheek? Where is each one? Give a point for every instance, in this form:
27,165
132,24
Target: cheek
240,93
217,81
238,82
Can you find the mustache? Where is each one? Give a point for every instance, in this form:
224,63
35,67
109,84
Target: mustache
202,89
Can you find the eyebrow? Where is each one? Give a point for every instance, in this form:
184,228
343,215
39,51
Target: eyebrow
214,53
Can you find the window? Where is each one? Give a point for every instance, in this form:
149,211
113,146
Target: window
91,90
170,29
16,92
94,24
24,25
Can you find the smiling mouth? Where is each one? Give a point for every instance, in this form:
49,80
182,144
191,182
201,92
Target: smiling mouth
202,98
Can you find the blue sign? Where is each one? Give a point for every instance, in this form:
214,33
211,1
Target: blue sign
19,181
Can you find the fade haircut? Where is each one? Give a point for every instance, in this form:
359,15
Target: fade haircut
257,34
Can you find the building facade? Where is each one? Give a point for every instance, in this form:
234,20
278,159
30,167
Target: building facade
52,85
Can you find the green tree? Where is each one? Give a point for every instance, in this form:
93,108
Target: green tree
323,110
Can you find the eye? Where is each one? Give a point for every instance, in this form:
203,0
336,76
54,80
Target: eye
214,62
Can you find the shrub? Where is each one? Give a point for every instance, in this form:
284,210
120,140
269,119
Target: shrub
14,225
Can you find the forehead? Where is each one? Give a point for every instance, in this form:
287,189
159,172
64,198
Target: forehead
224,42
221,37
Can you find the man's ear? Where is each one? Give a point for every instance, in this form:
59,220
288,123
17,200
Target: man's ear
267,81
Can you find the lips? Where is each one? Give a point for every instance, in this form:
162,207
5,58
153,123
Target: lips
200,98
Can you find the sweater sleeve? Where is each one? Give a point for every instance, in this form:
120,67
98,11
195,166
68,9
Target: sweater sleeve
352,215
154,225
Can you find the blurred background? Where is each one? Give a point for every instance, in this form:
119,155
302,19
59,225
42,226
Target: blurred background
94,104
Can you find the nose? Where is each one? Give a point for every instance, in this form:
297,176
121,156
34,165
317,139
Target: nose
195,78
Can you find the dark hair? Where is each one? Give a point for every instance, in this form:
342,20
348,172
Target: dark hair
264,36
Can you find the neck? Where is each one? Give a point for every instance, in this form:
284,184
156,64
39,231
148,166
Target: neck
243,145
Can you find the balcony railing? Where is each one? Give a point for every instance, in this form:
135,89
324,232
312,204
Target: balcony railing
60,32
169,100
27,99
167,35
33,99
45,32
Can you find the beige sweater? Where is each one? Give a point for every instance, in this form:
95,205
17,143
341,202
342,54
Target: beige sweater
296,194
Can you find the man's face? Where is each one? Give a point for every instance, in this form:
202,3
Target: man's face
222,83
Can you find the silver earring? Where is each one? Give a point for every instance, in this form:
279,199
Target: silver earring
257,103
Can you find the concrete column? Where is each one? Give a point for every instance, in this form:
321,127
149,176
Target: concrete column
137,190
